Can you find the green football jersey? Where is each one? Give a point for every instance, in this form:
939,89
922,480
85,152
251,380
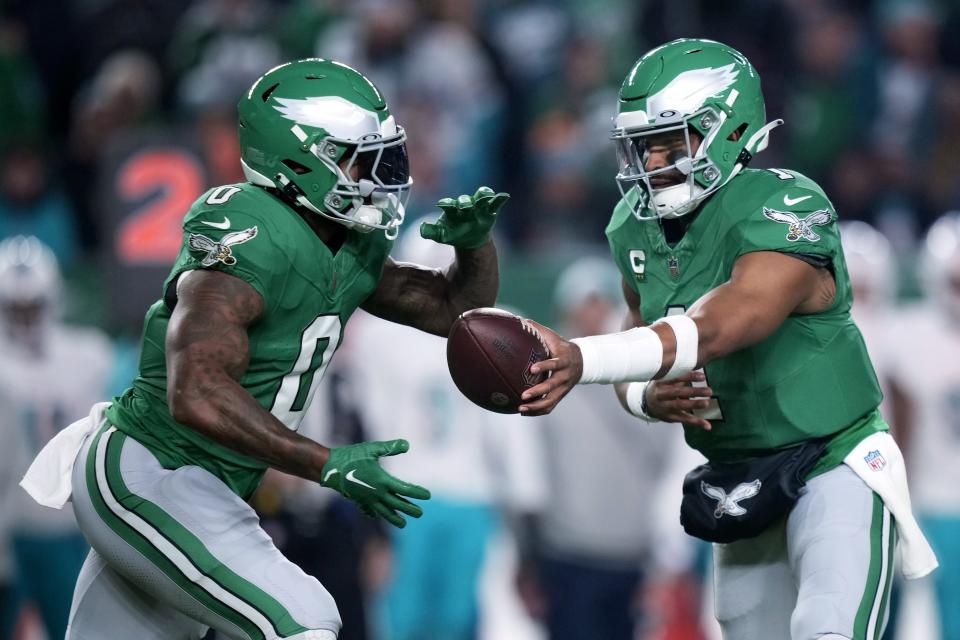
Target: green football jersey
810,378
309,293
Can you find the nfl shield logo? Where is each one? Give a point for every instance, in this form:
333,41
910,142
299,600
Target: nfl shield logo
875,460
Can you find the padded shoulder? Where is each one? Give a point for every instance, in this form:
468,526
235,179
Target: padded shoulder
237,229
781,210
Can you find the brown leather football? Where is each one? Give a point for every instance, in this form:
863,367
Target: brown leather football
489,353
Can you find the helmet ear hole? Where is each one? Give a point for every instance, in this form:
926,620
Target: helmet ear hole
296,167
737,133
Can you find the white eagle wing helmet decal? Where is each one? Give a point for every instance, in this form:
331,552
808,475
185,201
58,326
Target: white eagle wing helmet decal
338,116
687,92
800,227
730,503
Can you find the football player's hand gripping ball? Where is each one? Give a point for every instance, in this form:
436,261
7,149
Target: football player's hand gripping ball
355,472
466,221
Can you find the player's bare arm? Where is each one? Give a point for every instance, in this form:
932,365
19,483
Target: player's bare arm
207,353
764,288
431,299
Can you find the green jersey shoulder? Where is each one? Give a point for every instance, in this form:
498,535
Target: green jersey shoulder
238,229
779,210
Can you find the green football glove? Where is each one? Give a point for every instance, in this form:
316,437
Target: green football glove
355,472
466,221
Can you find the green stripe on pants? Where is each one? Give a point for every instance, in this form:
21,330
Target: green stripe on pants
139,542
878,575
891,545
177,552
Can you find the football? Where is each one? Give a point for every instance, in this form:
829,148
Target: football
489,353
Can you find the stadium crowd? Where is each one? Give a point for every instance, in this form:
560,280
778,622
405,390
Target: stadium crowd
116,114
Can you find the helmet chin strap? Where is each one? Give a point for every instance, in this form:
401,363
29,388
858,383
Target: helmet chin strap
364,215
757,143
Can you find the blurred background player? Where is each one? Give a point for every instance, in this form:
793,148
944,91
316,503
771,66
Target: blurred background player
926,370
583,565
50,372
873,277
483,469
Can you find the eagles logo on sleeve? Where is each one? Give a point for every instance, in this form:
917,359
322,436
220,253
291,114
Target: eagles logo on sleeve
800,227
220,251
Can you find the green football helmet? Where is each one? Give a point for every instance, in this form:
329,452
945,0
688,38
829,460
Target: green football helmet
321,133
685,85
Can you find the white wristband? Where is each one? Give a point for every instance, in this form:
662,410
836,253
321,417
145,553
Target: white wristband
688,341
635,392
620,357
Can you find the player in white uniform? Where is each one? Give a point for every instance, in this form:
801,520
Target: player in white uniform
476,463
926,368
873,276
50,372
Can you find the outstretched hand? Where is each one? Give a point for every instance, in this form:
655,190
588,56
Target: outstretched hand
466,221
355,472
565,366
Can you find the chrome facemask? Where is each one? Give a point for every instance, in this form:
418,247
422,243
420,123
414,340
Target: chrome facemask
379,195
634,181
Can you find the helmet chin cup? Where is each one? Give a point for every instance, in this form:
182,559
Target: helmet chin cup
365,217
675,201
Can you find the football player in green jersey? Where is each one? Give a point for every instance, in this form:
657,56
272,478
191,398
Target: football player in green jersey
739,305
268,274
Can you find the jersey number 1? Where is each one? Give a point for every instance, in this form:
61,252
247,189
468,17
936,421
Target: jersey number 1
317,344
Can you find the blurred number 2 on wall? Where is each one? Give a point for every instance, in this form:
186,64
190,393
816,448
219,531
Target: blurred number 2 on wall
160,184
148,183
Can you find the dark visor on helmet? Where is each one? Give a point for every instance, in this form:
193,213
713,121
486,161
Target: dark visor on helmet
388,166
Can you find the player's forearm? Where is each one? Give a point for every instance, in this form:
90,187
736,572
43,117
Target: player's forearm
223,411
429,299
472,281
